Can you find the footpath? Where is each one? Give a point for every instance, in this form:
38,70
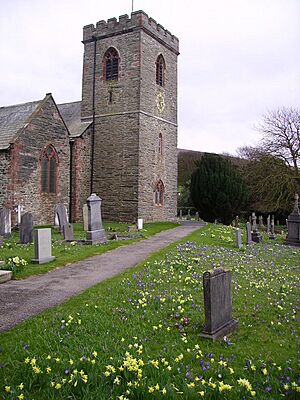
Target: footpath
20,300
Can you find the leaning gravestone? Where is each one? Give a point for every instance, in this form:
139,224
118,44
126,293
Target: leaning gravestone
42,246
249,233
238,237
256,236
61,213
26,228
68,232
217,304
5,221
95,232
85,217
293,224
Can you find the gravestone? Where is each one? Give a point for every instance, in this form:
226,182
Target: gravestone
5,275
238,237
250,220
188,217
236,221
85,217
61,213
197,216
42,246
95,232
261,222
19,209
272,234
180,214
268,225
5,221
68,232
26,228
140,224
293,225
256,236
249,233
217,304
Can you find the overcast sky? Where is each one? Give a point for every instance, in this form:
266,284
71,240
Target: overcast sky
238,59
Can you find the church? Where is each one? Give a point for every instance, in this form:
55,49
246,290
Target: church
119,141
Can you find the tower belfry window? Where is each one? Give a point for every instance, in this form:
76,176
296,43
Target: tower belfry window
111,64
160,70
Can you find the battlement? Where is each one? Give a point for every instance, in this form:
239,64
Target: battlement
138,20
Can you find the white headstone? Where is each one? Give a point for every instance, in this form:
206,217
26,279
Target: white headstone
238,236
140,223
42,246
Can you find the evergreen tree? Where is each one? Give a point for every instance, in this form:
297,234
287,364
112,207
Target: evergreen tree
217,189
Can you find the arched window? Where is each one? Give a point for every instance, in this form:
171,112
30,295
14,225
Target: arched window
160,70
159,193
160,144
49,164
111,64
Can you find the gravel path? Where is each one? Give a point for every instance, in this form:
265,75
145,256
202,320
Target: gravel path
20,300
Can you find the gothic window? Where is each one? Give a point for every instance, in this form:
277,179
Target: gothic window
160,70
111,64
160,144
159,193
49,165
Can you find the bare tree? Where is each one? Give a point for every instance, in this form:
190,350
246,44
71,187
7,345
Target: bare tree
281,136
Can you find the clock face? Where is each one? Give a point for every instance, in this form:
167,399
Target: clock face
160,102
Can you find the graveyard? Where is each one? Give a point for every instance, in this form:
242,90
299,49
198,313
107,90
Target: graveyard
138,335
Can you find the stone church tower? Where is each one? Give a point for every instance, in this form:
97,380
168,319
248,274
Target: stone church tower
129,91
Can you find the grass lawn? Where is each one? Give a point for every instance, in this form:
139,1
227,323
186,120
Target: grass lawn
136,336
67,253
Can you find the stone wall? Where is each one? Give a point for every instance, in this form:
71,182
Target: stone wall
4,181
81,174
24,169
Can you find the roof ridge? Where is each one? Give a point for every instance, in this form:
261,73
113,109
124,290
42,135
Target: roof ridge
22,104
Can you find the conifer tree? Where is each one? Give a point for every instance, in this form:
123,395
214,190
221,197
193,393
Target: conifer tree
217,189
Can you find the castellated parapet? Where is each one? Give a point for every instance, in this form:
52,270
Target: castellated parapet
139,20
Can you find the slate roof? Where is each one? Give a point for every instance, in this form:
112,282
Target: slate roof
12,119
71,114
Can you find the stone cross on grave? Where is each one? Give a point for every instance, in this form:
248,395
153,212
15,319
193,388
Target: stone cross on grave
256,236
296,205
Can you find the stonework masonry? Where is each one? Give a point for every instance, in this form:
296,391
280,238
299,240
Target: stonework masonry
127,165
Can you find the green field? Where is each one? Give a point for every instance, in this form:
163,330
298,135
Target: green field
136,336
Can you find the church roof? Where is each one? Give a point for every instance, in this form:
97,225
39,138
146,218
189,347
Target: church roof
71,114
12,119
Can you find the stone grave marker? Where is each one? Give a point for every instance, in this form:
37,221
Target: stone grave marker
85,217
268,225
249,233
261,222
272,234
5,275
180,214
197,216
26,228
293,225
238,237
42,246
256,236
188,217
236,221
68,232
95,232
5,221
250,220
61,213
140,224
217,304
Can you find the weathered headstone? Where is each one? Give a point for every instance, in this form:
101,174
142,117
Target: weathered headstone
293,225
197,216
95,232
236,221
42,246
238,237
261,222
5,221
26,228
217,304
272,234
256,236
249,233
85,217
268,225
61,213
19,209
180,214
188,214
68,232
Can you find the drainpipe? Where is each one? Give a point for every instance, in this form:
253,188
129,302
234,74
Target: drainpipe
71,181
93,110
